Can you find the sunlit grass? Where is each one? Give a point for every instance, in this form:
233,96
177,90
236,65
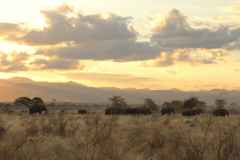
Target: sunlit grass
95,136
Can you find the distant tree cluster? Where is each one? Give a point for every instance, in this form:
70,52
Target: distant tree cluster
28,102
119,102
193,102
190,103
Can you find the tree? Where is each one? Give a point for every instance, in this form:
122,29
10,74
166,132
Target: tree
66,103
150,104
118,101
6,106
233,104
53,103
2,104
220,103
23,101
54,100
190,103
167,105
37,101
177,105
201,105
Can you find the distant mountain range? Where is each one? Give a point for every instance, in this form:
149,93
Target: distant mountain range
15,87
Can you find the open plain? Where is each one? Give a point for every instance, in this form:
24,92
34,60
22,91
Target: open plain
96,136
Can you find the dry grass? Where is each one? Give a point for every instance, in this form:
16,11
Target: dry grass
68,135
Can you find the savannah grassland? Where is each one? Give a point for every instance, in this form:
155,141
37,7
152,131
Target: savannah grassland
95,136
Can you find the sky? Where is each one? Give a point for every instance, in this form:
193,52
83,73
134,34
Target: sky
154,44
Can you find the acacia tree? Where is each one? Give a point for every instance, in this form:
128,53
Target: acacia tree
190,103
150,104
167,105
201,105
220,103
177,105
53,103
37,101
233,104
23,101
118,101
5,105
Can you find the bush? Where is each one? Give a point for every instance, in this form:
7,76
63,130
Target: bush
3,128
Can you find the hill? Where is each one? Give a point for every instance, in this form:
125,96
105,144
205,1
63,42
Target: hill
70,91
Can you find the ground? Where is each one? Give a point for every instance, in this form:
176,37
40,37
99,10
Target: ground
69,135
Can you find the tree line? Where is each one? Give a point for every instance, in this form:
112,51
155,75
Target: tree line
119,102
190,103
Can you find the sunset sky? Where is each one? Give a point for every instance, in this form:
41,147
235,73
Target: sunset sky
154,44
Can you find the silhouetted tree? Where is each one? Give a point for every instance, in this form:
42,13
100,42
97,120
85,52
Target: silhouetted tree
150,104
220,103
177,105
6,106
190,103
37,101
233,104
2,104
23,101
53,103
201,105
118,101
167,105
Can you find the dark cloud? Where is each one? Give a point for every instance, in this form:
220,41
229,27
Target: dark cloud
7,29
93,37
77,29
175,32
115,50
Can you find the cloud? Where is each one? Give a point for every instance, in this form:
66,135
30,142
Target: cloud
22,61
77,29
235,8
6,28
180,57
173,31
171,70
10,29
126,80
58,64
191,57
13,62
235,69
233,46
74,36
218,54
230,18
114,50
200,22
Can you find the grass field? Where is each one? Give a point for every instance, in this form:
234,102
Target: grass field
68,135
